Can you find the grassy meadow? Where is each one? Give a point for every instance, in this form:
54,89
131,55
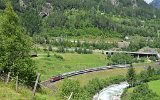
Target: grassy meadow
49,66
155,86
8,92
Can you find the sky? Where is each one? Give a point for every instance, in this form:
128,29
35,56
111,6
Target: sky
148,1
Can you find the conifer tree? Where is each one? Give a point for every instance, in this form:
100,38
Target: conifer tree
131,76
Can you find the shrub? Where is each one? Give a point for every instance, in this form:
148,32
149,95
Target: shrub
59,57
142,92
70,86
61,49
50,48
121,58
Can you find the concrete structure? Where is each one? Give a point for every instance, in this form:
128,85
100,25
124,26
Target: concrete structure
123,44
135,54
33,54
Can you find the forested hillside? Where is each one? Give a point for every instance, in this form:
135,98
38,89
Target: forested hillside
111,18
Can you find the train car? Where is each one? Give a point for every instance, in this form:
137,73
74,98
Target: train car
81,72
110,67
56,78
103,68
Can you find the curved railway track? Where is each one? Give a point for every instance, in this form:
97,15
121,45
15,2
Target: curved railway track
75,73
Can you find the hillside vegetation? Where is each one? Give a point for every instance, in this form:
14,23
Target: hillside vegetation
8,92
153,86
105,18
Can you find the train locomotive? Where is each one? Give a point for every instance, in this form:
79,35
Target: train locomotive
56,78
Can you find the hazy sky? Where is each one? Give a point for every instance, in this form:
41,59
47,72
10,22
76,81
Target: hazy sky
148,1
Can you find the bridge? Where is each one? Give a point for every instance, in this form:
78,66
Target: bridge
135,54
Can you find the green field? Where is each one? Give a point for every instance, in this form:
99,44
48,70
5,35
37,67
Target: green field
49,66
155,86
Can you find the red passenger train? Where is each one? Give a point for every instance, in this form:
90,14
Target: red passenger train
56,78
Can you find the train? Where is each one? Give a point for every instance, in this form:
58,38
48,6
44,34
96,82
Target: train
56,78
74,73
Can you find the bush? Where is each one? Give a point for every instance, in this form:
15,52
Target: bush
155,77
142,92
148,75
61,49
87,92
143,76
93,86
121,58
50,48
83,51
59,57
70,86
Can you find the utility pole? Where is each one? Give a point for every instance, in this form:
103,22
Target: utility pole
9,73
35,86
70,96
17,83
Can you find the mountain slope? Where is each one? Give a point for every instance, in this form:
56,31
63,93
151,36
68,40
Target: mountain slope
118,7
156,3
83,17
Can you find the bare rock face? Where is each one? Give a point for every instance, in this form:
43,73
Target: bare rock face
134,3
47,7
115,2
22,4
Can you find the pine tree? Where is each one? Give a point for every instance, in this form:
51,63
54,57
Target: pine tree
15,47
131,76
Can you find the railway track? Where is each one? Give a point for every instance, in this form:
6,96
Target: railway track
75,73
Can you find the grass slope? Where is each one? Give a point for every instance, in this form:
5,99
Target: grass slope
49,66
7,92
155,86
